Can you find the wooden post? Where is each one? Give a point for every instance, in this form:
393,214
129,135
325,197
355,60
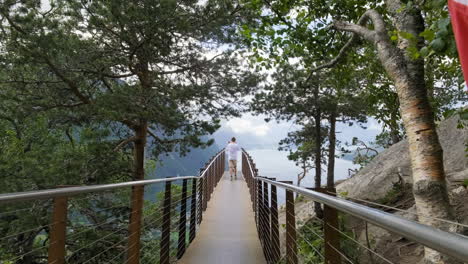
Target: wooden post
217,171
58,231
212,178
200,199
275,243
266,219
205,190
291,246
331,235
182,221
193,211
166,226
258,213
134,227
254,193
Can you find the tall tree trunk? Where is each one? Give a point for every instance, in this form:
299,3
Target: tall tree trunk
318,151
331,150
139,151
137,194
302,175
429,186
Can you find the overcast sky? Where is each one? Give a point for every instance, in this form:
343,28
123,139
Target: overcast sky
253,132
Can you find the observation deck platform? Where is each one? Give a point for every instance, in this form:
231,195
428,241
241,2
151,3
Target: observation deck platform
227,233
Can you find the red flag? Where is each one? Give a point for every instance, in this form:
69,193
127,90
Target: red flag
459,13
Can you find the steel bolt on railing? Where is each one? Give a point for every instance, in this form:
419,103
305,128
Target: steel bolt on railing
202,187
264,205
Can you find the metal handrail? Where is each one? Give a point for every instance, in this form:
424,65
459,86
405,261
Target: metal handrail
452,244
209,165
70,191
51,193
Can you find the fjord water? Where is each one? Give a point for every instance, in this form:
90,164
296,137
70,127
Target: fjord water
275,164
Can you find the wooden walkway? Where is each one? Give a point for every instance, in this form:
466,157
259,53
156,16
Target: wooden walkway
227,233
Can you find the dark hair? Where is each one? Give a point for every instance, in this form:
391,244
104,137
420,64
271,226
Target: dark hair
233,139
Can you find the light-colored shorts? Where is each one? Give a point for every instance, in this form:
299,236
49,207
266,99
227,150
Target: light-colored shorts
233,167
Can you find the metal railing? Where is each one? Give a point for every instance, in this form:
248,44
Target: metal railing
69,227
263,193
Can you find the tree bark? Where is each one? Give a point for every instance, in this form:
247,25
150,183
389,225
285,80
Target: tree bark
429,186
331,150
318,151
133,247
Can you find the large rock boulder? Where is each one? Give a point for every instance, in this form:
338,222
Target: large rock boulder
375,180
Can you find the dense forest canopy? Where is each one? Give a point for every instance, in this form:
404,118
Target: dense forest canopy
84,84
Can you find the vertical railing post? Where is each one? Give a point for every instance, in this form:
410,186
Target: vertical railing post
291,240
261,214
201,199
331,235
221,165
212,169
266,219
193,211
218,169
212,179
207,182
166,226
134,228
205,189
216,172
182,221
254,191
58,231
275,243
257,203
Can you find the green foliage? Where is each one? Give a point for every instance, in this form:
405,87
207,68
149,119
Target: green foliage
393,195
36,154
79,77
363,152
301,33
465,183
310,242
133,64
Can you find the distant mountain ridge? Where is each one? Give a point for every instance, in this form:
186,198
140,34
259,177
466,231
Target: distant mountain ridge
173,164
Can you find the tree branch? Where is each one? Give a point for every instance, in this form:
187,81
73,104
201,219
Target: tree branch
70,83
158,139
358,30
125,142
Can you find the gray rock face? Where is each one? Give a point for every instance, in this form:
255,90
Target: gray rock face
376,179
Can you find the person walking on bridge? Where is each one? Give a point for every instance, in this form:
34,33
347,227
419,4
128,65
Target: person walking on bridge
231,151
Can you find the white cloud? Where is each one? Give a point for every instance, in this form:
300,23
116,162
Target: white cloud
372,124
247,126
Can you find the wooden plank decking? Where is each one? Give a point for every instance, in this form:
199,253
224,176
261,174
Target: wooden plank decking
227,233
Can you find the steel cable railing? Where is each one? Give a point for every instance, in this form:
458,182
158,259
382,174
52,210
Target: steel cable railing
326,240
419,215
91,223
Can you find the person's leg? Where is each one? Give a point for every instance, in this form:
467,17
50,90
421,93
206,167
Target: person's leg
235,168
231,168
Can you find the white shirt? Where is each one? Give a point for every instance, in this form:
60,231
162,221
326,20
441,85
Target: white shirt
231,150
